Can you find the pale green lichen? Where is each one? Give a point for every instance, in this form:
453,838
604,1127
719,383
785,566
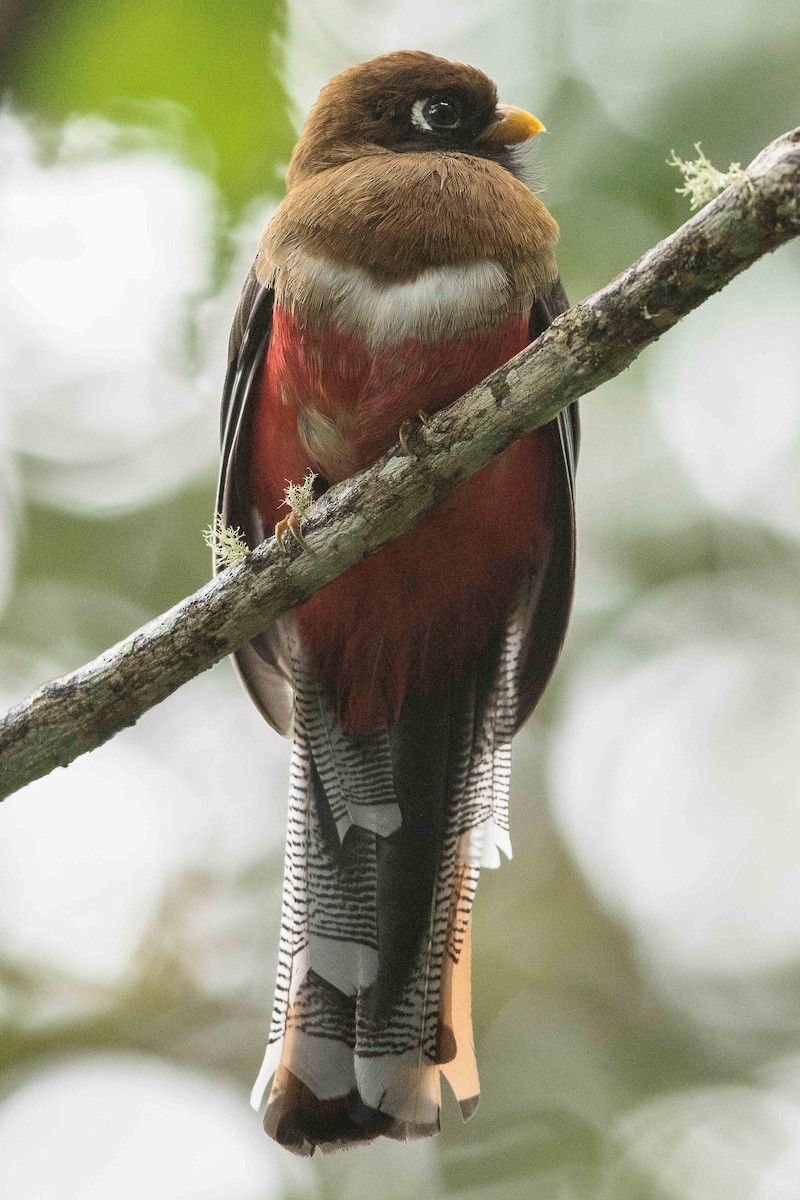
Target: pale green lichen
299,497
702,180
227,543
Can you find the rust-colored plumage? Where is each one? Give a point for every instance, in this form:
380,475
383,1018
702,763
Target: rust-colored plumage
407,261
449,604
389,213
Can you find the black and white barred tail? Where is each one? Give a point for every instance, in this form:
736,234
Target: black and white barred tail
386,836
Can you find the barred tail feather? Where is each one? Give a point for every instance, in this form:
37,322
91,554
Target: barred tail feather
386,837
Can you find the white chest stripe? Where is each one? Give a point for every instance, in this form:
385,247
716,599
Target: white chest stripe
440,302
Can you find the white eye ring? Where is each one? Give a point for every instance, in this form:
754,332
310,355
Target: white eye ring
417,117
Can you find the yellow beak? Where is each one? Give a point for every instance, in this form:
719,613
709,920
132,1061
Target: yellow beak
512,125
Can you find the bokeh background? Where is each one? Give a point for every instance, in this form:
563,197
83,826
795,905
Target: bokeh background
637,965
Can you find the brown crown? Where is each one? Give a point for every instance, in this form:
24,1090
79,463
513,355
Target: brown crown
365,109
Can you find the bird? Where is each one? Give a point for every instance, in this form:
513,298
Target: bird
408,260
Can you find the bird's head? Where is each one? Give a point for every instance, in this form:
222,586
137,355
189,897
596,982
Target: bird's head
408,102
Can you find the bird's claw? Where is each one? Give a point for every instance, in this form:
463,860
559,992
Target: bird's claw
405,429
290,524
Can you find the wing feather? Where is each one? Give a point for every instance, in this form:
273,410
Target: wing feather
264,664
544,618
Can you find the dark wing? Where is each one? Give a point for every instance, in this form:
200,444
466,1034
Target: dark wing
264,663
550,601
544,312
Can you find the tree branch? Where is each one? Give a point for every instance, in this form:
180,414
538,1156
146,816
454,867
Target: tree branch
592,342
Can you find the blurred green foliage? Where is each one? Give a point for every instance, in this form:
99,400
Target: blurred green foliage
217,61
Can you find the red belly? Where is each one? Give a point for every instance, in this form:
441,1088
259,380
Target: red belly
407,617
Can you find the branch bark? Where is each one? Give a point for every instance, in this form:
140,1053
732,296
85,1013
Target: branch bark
595,340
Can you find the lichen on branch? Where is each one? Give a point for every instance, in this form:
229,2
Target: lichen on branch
702,180
227,543
299,497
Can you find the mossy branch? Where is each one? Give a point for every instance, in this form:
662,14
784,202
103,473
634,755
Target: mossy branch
595,340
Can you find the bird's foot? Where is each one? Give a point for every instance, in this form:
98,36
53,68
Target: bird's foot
290,524
406,429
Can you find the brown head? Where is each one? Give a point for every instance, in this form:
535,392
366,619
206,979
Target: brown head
406,163
408,102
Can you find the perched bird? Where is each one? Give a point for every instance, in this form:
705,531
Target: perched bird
407,261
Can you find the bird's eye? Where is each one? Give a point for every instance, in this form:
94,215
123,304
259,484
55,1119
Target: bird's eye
442,114
436,113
